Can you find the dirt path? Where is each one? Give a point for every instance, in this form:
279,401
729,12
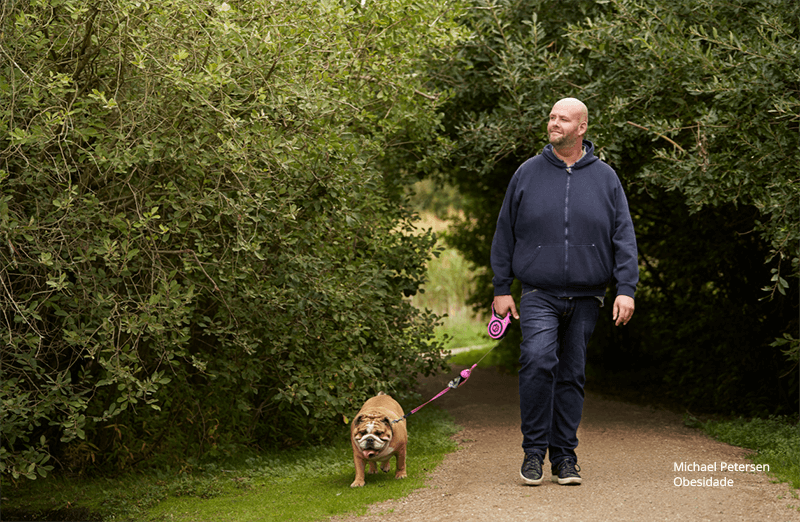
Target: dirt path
627,454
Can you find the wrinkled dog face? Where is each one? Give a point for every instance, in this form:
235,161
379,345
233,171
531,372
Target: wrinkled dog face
372,434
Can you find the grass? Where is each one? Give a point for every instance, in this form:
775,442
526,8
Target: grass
470,357
299,486
311,485
775,441
447,289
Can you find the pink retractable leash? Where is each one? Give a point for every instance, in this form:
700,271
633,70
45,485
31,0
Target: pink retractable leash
452,385
497,330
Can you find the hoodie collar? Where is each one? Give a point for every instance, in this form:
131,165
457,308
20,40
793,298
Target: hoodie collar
585,160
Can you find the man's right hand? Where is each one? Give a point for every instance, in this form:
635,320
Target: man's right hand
503,304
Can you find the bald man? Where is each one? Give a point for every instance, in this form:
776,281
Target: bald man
565,232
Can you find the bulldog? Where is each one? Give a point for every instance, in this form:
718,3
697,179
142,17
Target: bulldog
376,438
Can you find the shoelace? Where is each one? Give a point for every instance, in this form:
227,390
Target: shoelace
568,467
531,464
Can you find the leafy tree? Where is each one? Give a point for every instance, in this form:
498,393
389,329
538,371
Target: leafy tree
713,86
696,106
205,238
702,98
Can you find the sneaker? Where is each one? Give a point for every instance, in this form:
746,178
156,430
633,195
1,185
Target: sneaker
531,471
567,472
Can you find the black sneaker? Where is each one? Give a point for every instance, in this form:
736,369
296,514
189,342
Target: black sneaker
566,472
531,471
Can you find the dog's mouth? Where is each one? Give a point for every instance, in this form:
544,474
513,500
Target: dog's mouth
371,446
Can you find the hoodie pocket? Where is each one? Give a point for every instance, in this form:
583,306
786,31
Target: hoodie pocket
542,267
586,268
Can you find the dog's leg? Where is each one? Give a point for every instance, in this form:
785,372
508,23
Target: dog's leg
386,465
373,468
400,461
359,481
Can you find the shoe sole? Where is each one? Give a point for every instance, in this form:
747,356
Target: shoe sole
569,481
529,481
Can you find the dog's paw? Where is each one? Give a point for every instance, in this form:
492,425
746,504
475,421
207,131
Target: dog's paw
357,484
386,467
400,475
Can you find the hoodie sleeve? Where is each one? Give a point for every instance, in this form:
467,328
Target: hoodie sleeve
626,260
504,240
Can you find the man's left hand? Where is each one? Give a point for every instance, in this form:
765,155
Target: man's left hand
623,309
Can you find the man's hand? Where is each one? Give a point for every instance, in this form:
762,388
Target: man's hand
623,309
503,304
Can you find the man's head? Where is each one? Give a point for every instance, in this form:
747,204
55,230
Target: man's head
569,119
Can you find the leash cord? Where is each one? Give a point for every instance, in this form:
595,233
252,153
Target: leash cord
455,383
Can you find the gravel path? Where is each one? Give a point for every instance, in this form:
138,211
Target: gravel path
627,454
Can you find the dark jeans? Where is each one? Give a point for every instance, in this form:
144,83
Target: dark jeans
555,333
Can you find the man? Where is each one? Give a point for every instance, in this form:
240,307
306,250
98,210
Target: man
564,231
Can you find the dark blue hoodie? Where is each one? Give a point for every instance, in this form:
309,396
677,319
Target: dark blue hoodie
565,230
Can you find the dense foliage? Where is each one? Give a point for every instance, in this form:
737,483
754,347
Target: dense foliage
696,105
205,232
205,236
706,103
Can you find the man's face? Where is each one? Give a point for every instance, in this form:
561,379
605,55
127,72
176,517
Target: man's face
566,126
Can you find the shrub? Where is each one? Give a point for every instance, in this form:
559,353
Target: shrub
204,241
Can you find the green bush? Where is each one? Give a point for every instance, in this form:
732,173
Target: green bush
205,238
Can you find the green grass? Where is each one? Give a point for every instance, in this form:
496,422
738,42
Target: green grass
465,335
314,485
449,282
775,441
300,485
472,356
447,288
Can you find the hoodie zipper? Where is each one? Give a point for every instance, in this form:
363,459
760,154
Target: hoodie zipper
566,227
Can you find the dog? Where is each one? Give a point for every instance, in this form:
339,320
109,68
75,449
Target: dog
376,438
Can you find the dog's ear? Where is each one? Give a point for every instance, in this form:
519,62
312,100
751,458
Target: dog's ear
357,420
389,424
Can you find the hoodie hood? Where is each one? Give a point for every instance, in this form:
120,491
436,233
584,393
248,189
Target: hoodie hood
587,158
